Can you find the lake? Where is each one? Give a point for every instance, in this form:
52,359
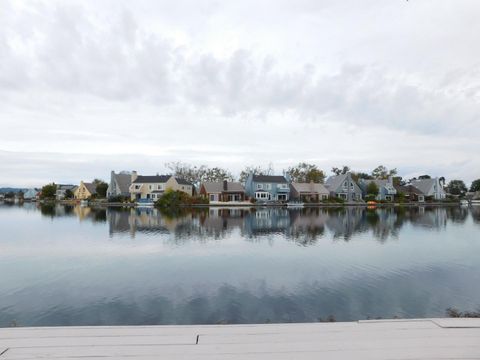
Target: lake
65,265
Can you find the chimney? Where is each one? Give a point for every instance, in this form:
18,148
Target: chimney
225,185
134,175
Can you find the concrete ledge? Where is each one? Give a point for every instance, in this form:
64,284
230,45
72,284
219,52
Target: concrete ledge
374,339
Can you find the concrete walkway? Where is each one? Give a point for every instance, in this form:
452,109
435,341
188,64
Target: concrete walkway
384,339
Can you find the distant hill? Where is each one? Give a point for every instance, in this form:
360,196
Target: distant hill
8,189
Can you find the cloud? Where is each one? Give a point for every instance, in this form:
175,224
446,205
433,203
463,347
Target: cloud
84,78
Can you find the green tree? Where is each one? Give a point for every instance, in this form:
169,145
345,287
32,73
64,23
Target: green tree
372,189
101,188
381,172
9,195
475,185
341,171
361,175
304,172
48,191
68,194
456,187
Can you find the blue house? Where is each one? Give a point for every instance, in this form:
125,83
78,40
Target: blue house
386,190
267,188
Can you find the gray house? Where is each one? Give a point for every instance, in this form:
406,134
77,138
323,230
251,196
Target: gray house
386,190
62,189
343,187
432,188
267,188
119,184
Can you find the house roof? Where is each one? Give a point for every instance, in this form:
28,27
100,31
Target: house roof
378,182
408,189
217,187
183,181
424,185
66,187
123,181
269,178
310,188
152,179
333,182
92,188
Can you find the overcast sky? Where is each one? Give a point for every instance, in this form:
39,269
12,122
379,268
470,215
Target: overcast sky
91,86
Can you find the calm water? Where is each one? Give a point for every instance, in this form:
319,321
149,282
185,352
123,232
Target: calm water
66,265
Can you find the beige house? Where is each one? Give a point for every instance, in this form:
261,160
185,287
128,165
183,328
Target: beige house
84,191
151,188
310,192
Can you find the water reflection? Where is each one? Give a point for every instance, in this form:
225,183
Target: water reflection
303,226
118,266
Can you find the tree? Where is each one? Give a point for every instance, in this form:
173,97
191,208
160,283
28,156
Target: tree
48,191
456,187
10,195
381,172
475,186
256,170
304,172
68,194
341,171
361,175
198,174
101,188
372,189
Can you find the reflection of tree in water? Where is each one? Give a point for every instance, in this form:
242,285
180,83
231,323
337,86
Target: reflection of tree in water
345,222
475,211
457,214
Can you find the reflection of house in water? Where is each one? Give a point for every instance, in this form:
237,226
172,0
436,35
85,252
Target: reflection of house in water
434,217
267,221
383,222
345,222
307,225
218,221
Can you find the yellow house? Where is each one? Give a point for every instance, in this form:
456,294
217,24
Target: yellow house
84,191
151,188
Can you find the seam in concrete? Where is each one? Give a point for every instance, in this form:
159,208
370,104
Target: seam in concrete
4,351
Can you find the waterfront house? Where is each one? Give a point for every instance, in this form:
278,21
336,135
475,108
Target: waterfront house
223,191
308,192
386,190
62,189
119,184
343,187
31,194
151,188
410,193
85,191
267,188
431,188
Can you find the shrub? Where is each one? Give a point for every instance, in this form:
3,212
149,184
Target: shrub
177,198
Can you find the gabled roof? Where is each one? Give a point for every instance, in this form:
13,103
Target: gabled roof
92,188
334,182
66,187
123,181
424,185
217,187
152,179
310,188
378,182
269,178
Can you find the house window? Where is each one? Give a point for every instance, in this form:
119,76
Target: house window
149,187
212,197
137,187
159,187
259,186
